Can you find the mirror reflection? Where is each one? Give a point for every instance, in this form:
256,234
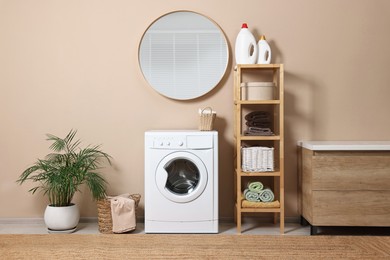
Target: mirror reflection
183,55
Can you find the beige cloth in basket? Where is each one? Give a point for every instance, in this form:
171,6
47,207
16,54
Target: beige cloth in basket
123,213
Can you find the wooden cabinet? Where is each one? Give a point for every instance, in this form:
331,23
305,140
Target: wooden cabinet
345,183
272,177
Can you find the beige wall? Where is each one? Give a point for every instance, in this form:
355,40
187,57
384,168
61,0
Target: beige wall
73,64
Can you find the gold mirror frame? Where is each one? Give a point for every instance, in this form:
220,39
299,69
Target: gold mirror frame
183,55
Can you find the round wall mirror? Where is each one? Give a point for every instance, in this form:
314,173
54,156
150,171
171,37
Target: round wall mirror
183,55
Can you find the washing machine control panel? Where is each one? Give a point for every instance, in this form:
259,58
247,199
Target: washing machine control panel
169,142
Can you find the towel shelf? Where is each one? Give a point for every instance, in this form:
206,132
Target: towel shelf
260,138
261,210
259,174
273,108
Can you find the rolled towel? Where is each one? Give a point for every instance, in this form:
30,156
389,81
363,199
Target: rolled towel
266,195
251,195
255,186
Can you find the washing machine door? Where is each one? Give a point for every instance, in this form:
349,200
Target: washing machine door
181,177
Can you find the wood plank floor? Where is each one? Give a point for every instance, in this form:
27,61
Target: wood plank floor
191,246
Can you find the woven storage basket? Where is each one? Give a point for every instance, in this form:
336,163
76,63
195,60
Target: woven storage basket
104,213
207,118
257,159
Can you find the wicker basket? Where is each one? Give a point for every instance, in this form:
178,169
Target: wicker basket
207,117
104,213
257,159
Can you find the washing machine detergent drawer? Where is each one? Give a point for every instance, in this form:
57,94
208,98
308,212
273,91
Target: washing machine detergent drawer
180,142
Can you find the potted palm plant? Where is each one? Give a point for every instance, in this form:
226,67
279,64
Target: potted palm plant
59,176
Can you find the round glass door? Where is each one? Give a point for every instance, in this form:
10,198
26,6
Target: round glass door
181,177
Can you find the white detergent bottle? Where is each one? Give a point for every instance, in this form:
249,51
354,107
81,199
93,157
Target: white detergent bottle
246,47
264,51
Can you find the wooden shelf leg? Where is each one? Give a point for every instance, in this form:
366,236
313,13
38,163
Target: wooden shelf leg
235,215
238,213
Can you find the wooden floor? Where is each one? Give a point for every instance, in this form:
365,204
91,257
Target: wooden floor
257,241
191,246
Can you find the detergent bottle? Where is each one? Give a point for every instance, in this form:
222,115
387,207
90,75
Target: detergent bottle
264,51
246,47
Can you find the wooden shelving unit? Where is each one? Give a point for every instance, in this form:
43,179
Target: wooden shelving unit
257,72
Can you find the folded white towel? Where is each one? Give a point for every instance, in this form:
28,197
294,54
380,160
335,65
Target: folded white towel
123,213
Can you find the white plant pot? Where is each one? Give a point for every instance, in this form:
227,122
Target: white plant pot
62,219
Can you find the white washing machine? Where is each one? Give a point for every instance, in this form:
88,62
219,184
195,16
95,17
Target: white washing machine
181,182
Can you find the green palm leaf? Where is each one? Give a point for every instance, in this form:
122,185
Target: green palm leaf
62,172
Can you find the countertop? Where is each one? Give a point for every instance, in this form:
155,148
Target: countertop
345,145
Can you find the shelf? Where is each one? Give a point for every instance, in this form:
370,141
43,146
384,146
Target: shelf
264,72
259,137
257,66
257,102
258,174
272,210
264,210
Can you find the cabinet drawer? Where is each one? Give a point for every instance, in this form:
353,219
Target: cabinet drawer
351,171
351,208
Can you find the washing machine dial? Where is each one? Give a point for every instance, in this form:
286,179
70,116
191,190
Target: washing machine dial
181,143
168,143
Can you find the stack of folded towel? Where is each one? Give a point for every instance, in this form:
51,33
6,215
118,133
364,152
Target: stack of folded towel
258,119
258,123
256,192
